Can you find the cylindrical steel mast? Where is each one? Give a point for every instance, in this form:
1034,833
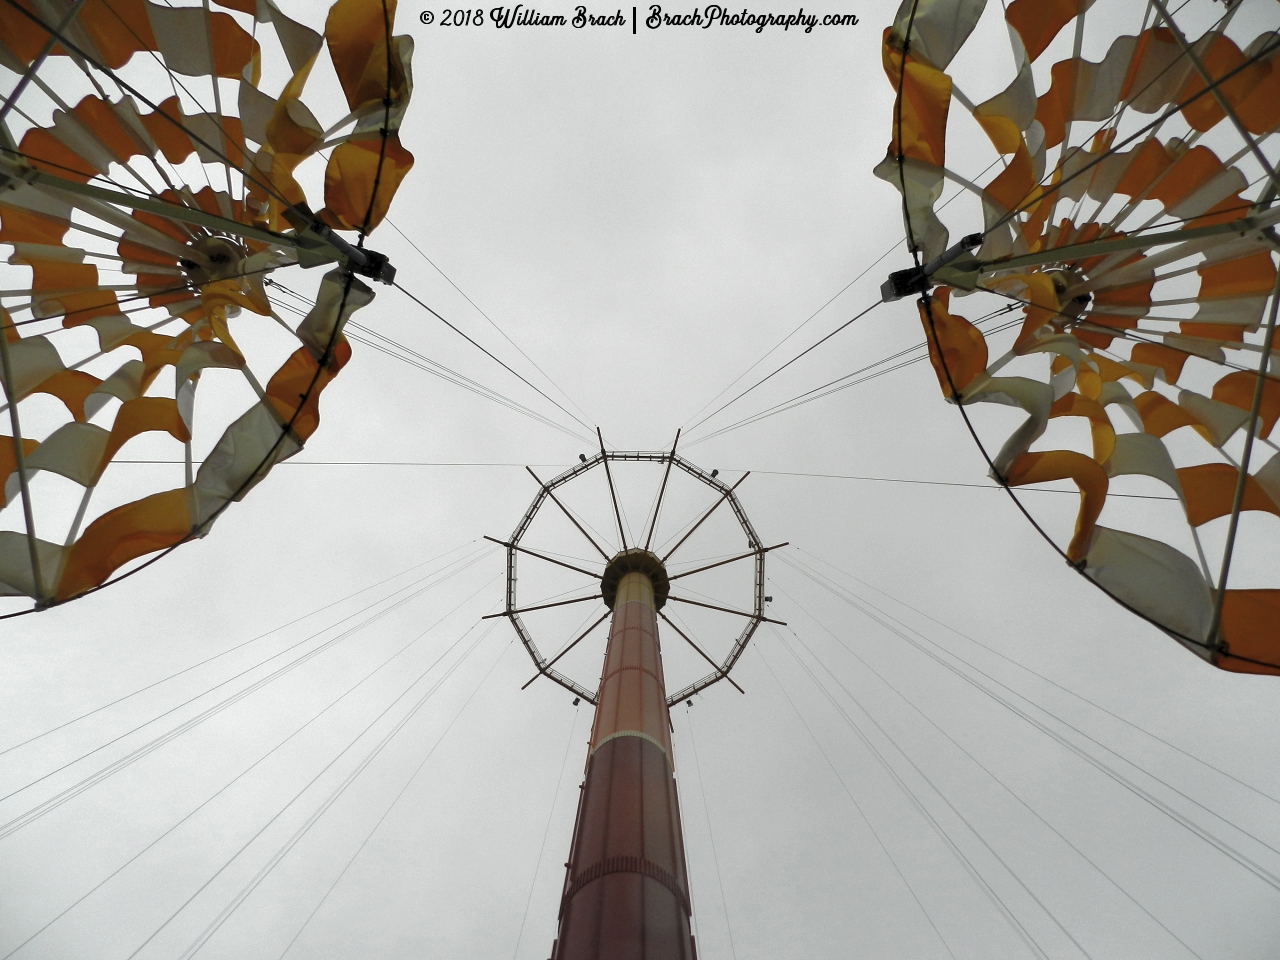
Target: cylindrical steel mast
626,892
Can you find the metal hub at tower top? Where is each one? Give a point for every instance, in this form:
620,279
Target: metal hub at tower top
623,556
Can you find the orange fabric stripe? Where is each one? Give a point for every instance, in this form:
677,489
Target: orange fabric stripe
1087,475
1249,620
1210,491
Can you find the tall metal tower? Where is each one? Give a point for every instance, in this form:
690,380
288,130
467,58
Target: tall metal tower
626,889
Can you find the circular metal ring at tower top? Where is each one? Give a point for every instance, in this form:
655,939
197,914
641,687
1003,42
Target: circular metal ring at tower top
635,560
618,559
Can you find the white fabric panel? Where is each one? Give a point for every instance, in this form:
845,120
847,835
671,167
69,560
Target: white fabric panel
206,353
1153,578
256,109
204,126
1220,419
35,252
15,564
301,114
300,43
125,384
73,451
1269,478
1098,85
1141,453
182,34
113,329
939,28
1107,174
1195,346
80,139
1242,310
1161,75
1034,397
33,360
1018,100
185,400
923,189
26,197
1230,181
238,457
317,328
1114,393
1075,183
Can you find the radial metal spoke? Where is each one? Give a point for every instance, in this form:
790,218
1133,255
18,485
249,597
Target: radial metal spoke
671,458
30,72
547,666
540,556
721,563
737,613
612,493
556,500
723,497
719,670
541,606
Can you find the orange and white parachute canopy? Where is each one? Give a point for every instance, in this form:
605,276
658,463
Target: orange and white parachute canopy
1114,165
152,177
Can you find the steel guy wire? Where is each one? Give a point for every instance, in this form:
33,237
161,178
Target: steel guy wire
424,363
230,650
46,806
940,793
387,812
711,835
810,395
863,605
959,192
1067,690
858,316
858,807
491,321
342,788
1252,866
236,779
457,379
501,363
555,796
1004,786
322,772
940,831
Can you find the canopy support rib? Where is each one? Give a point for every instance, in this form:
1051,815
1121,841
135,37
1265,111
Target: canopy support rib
1215,630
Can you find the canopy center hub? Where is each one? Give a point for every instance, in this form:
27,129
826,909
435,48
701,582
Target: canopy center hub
635,560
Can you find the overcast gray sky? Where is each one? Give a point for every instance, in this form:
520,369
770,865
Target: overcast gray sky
645,216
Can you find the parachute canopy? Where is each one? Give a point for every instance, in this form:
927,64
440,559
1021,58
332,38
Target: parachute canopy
1117,186
153,165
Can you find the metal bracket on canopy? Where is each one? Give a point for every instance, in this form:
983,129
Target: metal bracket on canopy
955,266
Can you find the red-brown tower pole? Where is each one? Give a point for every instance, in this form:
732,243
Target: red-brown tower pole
626,892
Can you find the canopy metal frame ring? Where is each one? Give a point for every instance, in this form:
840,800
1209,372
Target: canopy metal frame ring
630,553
